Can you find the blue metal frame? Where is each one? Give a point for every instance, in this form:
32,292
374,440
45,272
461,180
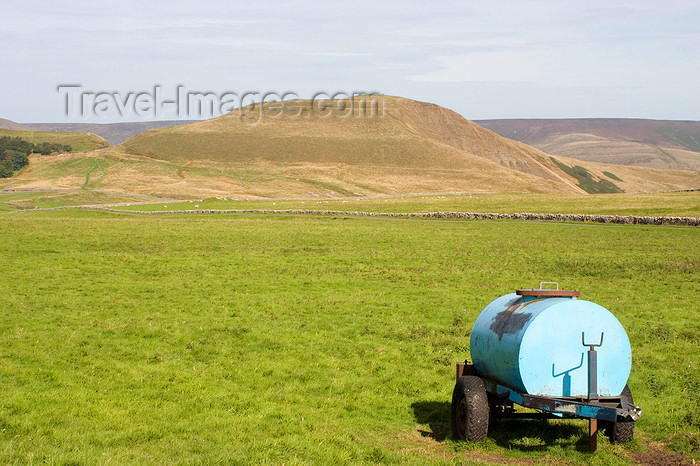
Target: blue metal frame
564,406
604,409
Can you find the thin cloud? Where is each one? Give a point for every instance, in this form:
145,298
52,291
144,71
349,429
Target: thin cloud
504,51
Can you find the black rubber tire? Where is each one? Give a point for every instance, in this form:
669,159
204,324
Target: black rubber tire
470,409
621,431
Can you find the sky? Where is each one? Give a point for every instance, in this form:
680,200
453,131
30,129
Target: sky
484,60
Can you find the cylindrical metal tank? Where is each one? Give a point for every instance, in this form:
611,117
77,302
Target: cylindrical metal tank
533,343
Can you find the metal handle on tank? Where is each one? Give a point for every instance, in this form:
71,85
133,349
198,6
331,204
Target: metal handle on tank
548,283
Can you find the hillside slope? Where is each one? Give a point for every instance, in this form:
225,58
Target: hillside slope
296,150
648,143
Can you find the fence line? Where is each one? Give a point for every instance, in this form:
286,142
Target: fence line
594,218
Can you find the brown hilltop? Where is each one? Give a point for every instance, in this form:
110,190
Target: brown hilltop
406,146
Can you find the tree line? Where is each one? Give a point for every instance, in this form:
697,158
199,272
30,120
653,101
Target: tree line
14,153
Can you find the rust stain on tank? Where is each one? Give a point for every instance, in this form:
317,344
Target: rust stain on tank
510,320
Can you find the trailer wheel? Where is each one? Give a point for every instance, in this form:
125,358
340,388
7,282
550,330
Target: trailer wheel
621,431
470,409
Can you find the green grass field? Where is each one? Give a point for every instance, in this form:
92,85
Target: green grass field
303,339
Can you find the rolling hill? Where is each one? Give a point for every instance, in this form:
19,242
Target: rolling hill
297,150
77,141
648,143
9,124
114,133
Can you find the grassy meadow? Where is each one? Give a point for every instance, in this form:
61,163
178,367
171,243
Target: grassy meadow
129,338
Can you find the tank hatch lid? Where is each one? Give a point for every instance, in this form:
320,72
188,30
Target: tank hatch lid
547,292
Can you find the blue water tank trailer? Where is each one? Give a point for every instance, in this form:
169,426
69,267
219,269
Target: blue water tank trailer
533,344
545,349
